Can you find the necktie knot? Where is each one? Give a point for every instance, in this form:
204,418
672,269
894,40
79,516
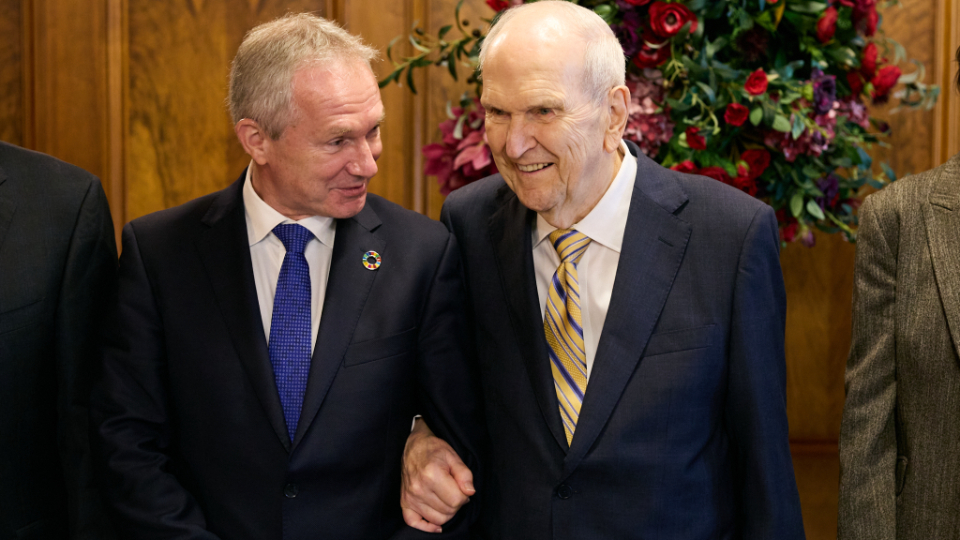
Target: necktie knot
570,244
293,236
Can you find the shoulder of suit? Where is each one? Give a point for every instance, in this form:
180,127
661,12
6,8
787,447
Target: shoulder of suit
916,188
477,196
31,169
183,216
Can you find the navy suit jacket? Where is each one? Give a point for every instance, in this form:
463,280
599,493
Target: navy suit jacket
683,428
58,272
191,429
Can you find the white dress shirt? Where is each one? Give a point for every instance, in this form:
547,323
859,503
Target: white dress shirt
597,269
267,252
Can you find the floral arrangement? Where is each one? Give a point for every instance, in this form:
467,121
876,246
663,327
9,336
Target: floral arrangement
769,96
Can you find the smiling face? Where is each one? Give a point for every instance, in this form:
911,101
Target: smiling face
321,163
550,140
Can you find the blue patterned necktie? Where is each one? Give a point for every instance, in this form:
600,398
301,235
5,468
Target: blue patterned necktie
290,346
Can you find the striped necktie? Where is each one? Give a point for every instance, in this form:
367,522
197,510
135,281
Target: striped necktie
564,330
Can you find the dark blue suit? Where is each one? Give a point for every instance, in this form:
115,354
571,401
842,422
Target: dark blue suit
191,429
683,429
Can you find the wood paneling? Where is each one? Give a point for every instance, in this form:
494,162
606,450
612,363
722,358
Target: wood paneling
946,137
181,143
11,72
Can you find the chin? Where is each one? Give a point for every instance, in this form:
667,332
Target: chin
347,209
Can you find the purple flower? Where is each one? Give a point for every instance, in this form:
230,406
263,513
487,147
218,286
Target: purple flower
824,91
628,33
830,186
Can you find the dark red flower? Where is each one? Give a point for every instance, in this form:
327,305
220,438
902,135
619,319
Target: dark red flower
848,3
736,114
827,24
754,44
789,231
651,53
883,82
855,81
498,5
756,83
868,24
666,20
717,173
868,64
637,2
745,183
757,160
695,140
686,166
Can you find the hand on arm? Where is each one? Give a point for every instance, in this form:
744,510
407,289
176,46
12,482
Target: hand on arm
436,483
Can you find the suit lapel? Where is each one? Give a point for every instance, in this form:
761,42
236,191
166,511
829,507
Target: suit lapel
654,244
941,215
348,286
510,232
7,209
225,251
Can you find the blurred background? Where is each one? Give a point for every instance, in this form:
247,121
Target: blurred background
134,90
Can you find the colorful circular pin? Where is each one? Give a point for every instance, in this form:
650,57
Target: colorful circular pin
371,260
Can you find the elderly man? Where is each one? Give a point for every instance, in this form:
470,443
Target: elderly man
274,340
629,319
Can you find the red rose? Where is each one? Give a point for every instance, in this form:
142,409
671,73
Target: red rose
827,24
695,140
666,20
745,183
868,64
685,167
856,82
868,23
883,81
736,114
498,5
717,173
789,232
637,2
756,83
758,160
651,54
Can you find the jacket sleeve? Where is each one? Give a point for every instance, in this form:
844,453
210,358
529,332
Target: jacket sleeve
86,290
755,412
449,383
131,413
868,445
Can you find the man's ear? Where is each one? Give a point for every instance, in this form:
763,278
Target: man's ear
254,140
617,100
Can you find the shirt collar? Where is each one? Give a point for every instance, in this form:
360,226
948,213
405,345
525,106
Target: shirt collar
607,221
262,218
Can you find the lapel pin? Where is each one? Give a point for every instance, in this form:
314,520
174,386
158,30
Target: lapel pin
371,260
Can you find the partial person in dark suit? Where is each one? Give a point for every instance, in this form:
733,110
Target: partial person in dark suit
900,435
58,272
629,319
274,340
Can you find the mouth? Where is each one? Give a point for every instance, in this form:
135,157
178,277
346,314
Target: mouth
353,191
533,167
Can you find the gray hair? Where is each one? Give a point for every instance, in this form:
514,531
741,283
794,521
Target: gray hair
261,75
604,63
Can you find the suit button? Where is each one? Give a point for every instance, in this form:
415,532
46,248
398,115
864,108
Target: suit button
291,490
564,491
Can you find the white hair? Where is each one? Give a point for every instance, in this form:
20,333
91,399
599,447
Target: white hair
604,63
261,76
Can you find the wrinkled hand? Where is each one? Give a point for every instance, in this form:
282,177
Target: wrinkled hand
436,483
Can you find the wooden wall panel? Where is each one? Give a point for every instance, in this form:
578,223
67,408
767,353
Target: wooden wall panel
181,142
11,72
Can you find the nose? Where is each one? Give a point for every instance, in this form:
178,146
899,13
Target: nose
519,139
364,163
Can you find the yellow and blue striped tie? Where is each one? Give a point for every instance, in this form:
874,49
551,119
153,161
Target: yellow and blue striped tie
564,329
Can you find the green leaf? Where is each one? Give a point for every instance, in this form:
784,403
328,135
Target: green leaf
392,77
606,12
443,31
452,67
865,160
756,115
781,123
892,176
458,129
798,127
813,8
711,95
416,44
413,87
815,210
796,204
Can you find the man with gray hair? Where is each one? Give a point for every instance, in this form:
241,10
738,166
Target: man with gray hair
273,340
629,319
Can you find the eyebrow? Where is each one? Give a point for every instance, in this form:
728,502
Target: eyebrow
343,131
